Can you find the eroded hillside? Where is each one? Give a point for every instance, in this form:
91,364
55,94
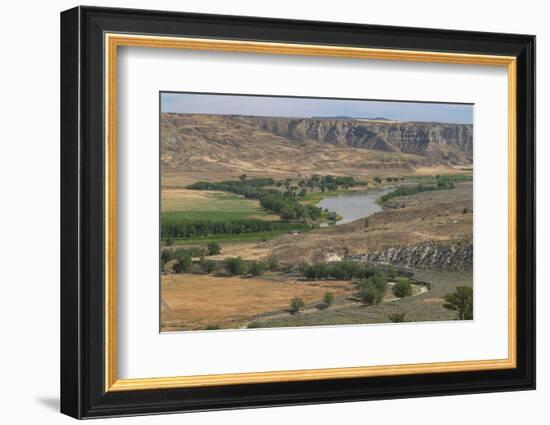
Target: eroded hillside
221,146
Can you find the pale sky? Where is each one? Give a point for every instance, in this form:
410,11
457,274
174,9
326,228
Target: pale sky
197,103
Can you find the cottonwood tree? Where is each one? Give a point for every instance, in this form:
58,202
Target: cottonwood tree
461,301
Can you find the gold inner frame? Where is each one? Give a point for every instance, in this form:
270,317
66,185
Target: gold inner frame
113,41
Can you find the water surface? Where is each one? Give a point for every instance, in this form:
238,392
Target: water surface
354,205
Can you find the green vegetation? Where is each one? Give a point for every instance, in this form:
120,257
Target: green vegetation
427,184
328,299
329,183
213,248
256,268
233,215
212,327
402,288
371,291
175,229
254,325
391,272
182,265
208,266
397,317
230,238
285,204
271,263
296,305
442,184
183,256
461,301
455,178
234,266
341,270
211,205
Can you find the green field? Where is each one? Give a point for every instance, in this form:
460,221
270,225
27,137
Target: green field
214,216
211,205
181,206
230,238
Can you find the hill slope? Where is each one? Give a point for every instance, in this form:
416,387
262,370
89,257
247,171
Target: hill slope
227,145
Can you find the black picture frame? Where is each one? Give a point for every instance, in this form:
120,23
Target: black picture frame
83,392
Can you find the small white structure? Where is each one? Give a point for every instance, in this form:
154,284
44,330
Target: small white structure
332,257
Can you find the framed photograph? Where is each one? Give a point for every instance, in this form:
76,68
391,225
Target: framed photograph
261,212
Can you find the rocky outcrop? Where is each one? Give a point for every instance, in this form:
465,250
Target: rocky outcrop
448,257
434,143
447,143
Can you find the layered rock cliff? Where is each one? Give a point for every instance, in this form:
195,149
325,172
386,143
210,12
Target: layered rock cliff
232,144
448,143
454,256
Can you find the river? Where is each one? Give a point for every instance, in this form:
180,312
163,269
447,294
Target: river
354,205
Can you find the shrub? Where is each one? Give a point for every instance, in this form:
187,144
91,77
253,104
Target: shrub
256,268
212,327
213,248
397,317
461,301
187,252
369,295
271,263
254,325
391,272
288,268
166,255
183,264
234,266
372,290
465,211
208,266
296,305
341,270
328,299
402,288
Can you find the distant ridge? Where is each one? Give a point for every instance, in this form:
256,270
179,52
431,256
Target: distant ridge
232,144
347,117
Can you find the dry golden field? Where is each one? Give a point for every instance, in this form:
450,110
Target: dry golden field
198,301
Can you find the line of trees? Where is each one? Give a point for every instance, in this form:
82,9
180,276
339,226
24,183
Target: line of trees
330,183
339,270
237,266
184,257
285,204
442,184
183,228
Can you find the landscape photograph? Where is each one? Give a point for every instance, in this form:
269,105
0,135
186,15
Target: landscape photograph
283,212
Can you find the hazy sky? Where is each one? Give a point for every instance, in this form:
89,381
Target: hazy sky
309,107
